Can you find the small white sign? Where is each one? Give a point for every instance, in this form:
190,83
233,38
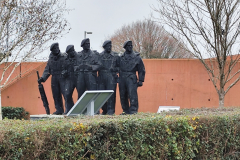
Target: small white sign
167,108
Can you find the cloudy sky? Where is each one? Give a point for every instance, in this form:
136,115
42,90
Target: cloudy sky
102,18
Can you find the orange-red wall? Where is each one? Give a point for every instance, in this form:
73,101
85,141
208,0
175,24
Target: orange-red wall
176,82
21,70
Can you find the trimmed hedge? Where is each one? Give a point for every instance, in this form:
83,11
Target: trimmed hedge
15,113
173,135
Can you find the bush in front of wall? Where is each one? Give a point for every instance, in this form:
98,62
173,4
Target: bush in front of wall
185,134
14,113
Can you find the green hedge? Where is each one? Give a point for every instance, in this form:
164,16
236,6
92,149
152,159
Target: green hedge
141,136
14,113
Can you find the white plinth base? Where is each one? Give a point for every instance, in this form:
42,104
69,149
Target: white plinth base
44,116
167,108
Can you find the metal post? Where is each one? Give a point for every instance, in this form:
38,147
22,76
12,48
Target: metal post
90,108
85,33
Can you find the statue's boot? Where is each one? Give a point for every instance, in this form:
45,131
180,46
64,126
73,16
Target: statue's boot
67,110
57,113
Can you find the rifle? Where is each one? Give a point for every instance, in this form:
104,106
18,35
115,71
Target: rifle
43,96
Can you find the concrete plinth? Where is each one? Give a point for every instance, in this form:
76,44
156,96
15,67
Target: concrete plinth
45,116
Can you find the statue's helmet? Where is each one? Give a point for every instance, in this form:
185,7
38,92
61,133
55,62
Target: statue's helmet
84,41
70,48
106,42
54,45
127,42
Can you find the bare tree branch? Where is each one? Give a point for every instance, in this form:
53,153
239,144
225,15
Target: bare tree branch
25,28
210,29
150,40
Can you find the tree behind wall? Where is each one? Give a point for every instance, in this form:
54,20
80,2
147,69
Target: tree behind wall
25,28
210,28
150,40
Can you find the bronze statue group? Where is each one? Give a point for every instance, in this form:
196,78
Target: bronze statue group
89,70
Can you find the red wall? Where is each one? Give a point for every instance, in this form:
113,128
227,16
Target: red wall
177,82
21,70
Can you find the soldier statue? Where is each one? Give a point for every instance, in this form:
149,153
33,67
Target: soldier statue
130,63
57,68
87,68
108,76
71,80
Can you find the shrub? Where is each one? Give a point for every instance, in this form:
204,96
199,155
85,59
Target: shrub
44,139
172,135
14,113
213,137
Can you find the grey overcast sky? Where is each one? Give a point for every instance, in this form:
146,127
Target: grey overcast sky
102,18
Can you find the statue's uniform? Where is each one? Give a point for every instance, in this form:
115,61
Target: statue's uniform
130,64
87,77
56,67
108,78
71,81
